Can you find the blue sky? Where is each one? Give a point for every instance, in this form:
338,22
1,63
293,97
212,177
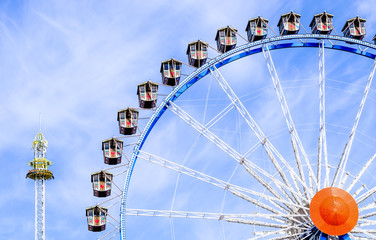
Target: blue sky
79,62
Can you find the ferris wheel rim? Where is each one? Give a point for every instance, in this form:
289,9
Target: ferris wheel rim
220,61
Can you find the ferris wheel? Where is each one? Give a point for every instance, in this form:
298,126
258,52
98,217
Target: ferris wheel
250,150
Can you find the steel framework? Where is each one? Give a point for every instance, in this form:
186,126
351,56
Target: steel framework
40,174
291,201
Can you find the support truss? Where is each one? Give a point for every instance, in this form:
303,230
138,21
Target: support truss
365,167
322,146
234,218
39,209
346,151
295,140
248,165
234,189
269,148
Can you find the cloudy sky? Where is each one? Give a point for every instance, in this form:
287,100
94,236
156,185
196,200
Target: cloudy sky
79,62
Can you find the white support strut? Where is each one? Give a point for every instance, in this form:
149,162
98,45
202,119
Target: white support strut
40,174
295,140
269,148
40,209
322,146
346,151
234,218
249,166
236,190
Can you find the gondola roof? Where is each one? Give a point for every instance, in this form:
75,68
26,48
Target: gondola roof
118,140
173,59
351,20
102,171
318,15
147,82
216,36
189,44
280,19
254,19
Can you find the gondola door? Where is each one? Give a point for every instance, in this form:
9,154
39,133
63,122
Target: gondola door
154,92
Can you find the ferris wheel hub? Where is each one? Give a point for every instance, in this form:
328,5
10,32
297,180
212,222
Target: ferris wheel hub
334,211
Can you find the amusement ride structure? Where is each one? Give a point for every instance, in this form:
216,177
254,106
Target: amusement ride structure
40,174
285,184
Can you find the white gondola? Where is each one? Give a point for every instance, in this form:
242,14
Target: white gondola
147,94
257,29
171,72
197,53
226,39
322,23
355,28
289,23
128,121
112,151
96,218
101,182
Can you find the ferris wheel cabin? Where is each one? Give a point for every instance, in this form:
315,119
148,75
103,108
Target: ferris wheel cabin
96,218
322,23
257,29
128,120
226,39
289,24
101,183
112,150
171,71
355,28
147,94
197,53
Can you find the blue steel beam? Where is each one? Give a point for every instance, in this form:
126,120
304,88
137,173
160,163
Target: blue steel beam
345,237
323,236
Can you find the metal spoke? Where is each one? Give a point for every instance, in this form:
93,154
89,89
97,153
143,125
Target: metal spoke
295,140
234,218
359,190
366,222
255,223
368,215
269,148
357,237
356,179
366,195
344,179
220,115
236,190
263,234
345,154
249,166
367,232
116,228
114,235
369,206
322,146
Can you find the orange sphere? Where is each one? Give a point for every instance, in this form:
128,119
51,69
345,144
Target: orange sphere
334,211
